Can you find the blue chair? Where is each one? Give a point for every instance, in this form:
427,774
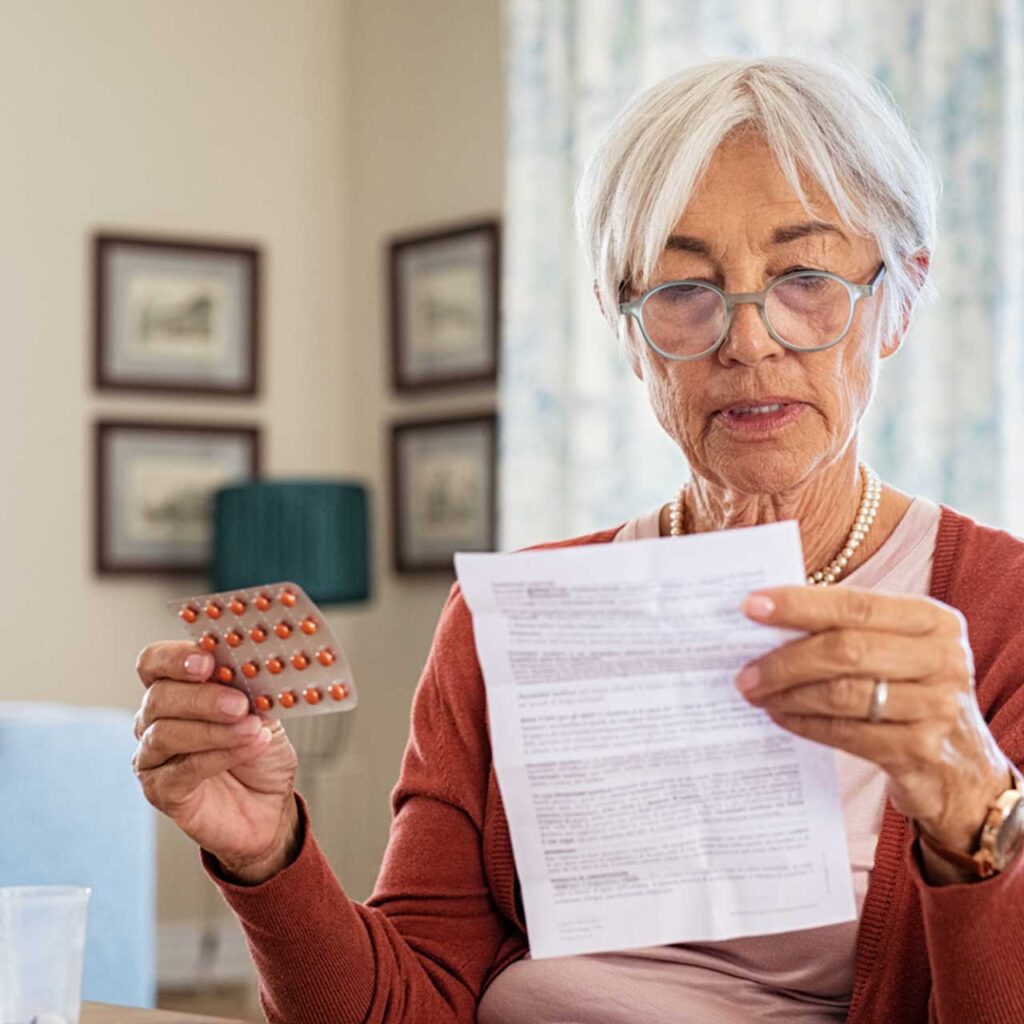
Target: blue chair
74,815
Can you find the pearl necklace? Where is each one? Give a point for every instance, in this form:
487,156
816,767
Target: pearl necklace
870,500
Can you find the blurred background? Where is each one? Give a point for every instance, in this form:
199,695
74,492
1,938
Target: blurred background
331,240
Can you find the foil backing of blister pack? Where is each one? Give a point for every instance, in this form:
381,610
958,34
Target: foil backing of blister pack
272,643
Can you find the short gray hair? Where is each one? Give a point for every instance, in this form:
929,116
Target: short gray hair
818,115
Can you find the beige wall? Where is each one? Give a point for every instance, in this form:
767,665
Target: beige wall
315,128
425,146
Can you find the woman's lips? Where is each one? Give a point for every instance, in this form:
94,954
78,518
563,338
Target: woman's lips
764,418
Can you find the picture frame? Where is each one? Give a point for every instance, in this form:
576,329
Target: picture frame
444,306
152,488
176,315
443,490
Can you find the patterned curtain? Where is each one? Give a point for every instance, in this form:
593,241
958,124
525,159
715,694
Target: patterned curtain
580,448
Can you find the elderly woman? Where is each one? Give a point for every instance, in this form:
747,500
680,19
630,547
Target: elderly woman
760,231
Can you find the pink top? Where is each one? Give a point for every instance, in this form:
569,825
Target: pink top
804,976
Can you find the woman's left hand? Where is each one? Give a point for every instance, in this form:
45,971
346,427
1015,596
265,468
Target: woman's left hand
943,764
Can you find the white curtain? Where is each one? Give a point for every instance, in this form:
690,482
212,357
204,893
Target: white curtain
580,449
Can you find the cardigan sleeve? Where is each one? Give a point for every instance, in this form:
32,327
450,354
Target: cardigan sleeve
418,951
975,931
975,937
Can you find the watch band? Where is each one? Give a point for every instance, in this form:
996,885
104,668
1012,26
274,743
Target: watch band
987,859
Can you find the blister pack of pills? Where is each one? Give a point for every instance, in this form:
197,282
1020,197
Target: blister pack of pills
272,643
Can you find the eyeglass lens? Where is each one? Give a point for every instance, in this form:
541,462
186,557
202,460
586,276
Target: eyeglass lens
808,312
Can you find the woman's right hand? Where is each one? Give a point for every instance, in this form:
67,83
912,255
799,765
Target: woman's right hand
223,776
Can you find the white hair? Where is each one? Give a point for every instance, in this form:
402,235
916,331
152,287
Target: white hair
819,117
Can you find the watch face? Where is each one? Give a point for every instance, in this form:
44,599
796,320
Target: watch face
1010,837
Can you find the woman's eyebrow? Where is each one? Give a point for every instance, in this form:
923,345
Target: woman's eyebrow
685,243
780,236
792,232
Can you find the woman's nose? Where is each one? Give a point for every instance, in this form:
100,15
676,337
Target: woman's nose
748,341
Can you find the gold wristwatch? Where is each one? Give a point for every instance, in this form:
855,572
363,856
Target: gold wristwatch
1000,839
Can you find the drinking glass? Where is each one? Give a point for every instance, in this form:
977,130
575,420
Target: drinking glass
42,950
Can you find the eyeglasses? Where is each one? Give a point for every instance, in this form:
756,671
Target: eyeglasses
806,311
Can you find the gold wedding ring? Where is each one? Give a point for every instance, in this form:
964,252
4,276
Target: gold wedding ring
879,698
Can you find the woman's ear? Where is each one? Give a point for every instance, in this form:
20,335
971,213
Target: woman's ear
920,264
630,347
626,339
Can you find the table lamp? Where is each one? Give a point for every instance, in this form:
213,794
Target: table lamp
312,532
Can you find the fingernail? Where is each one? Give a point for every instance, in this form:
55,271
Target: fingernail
249,727
199,665
233,704
266,734
758,606
748,678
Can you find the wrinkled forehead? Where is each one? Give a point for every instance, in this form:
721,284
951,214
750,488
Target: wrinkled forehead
745,199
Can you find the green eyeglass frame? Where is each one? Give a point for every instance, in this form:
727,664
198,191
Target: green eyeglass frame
634,308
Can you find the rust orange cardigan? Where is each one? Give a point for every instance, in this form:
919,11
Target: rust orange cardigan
446,916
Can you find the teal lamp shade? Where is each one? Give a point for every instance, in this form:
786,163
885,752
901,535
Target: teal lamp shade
314,533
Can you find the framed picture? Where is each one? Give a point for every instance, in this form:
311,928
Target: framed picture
445,307
176,316
153,489
443,490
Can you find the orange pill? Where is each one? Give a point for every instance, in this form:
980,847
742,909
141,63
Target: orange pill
275,666
250,670
312,695
308,626
263,702
286,699
288,598
234,638
283,630
214,610
300,661
262,602
189,614
226,674
258,634
324,656
338,691
237,606
209,642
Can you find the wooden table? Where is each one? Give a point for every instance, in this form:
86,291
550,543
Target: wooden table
99,1013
